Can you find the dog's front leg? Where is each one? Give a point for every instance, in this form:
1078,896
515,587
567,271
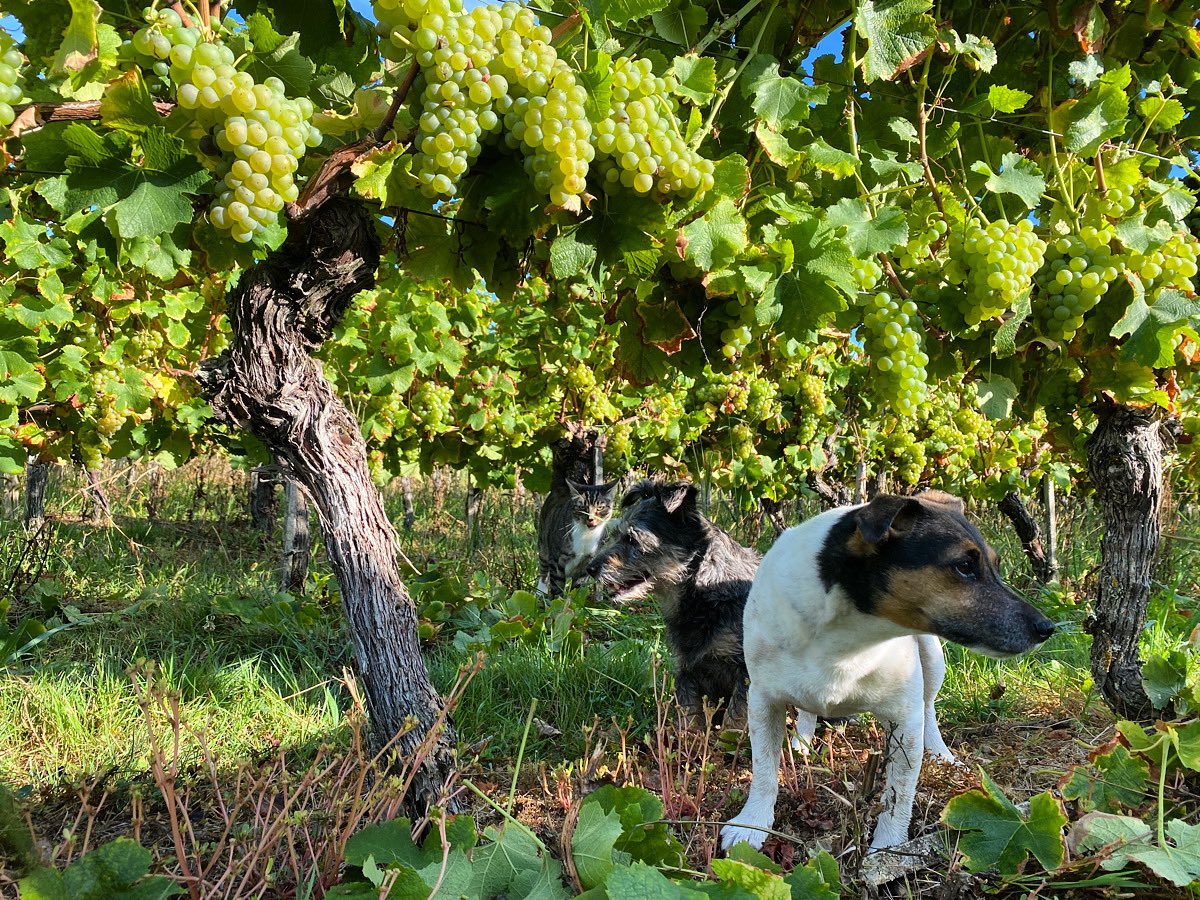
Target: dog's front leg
933,672
904,753
767,720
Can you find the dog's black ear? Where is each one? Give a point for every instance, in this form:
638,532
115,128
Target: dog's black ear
886,515
941,498
679,498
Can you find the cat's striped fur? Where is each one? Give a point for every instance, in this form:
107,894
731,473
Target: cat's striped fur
573,520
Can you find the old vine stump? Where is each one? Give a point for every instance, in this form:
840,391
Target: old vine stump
1125,462
267,381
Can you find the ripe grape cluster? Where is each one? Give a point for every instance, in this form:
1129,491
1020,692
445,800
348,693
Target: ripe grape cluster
493,71
431,404
866,273
917,248
640,141
737,335
895,348
580,379
1116,202
902,453
620,440
1001,260
11,61
762,401
1078,270
728,392
262,131
1173,265
489,70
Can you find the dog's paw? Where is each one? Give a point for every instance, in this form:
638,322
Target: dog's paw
737,831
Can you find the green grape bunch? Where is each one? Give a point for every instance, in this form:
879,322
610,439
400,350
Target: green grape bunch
896,351
261,132
492,73
640,139
1173,265
11,89
738,334
866,273
1001,260
1077,273
431,405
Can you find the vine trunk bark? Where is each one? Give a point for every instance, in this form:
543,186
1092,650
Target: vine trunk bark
267,381
1029,533
1125,457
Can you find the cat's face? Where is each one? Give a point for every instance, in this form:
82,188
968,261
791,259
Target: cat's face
592,504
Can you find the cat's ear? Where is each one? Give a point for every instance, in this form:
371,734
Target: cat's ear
609,490
679,498
575,488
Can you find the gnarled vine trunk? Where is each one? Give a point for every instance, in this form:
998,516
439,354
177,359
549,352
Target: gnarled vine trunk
1125,459
267,381
1029,533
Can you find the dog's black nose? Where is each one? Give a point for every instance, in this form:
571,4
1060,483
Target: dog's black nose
1044,628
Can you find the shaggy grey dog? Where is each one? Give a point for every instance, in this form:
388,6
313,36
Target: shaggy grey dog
700,577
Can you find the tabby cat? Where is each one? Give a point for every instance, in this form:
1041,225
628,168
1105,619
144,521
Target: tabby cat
573,520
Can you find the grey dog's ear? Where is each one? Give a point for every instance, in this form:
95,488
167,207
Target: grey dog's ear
679,497
886,515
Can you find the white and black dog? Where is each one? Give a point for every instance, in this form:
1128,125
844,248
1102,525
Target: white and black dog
842,618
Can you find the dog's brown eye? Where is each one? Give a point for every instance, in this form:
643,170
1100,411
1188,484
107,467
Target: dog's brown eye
966,568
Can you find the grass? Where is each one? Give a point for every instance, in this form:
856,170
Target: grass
190,594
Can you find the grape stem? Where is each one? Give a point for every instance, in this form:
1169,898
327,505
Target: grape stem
567,24
698,139
1101,184
922,146
324,184
726,25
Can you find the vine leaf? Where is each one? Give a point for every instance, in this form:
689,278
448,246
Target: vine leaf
783,101
1163,114
755,881
593,842
1004,99
898,32
1129,839
1120,782
1005,342
127,104
651,843
1099,116
696,77
716,237
979,52
867,235
996,835
996,396
1017,175
81,40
